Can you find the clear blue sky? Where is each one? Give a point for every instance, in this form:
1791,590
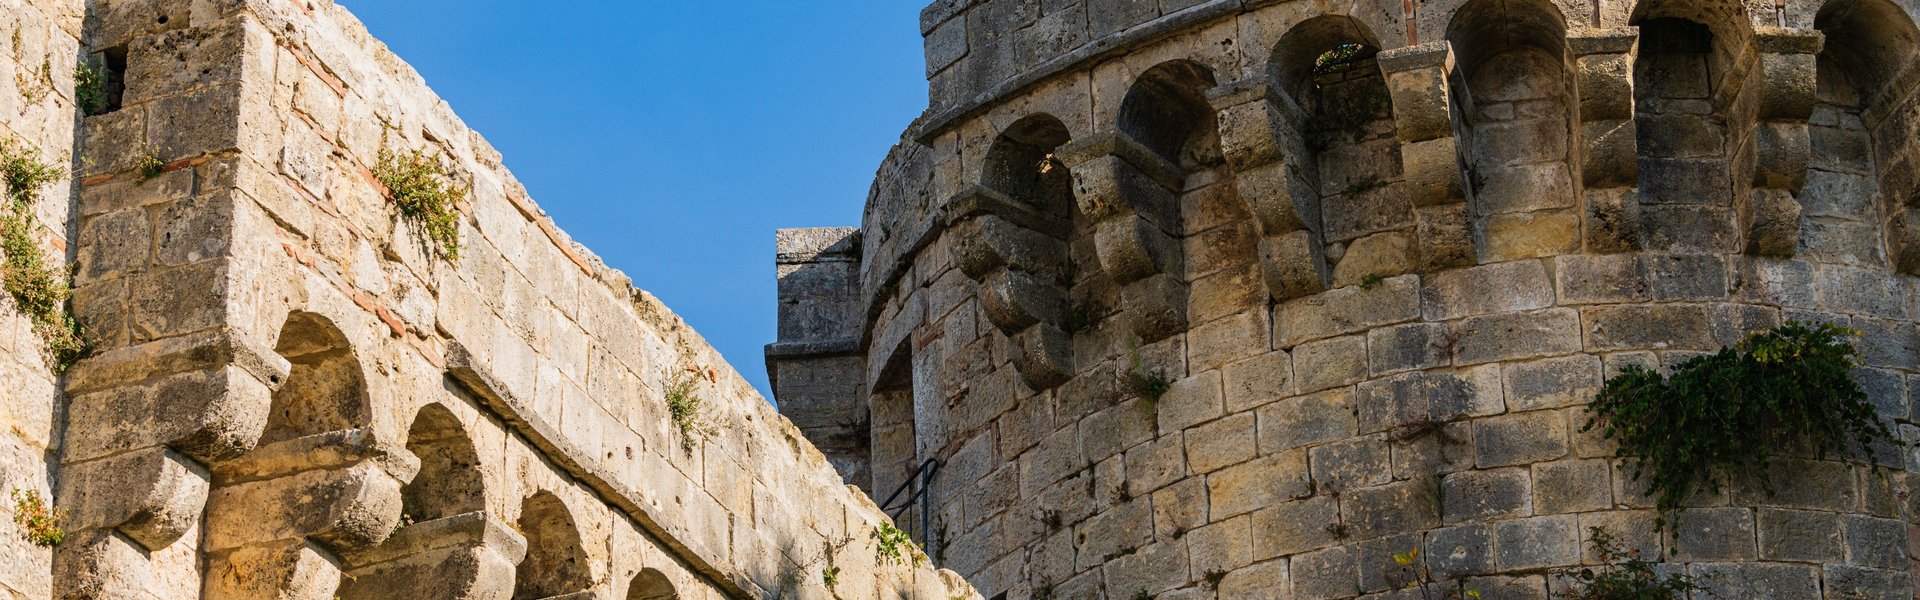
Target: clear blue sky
674,137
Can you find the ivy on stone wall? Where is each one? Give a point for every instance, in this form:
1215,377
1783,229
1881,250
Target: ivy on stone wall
1729,412
40,290
422,185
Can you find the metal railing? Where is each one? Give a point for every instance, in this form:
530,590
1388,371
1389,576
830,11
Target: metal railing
923,496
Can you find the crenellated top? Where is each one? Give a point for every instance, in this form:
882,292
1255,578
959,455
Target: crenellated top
1364,142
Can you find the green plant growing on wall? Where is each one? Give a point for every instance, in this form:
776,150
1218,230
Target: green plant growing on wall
894,546
1624,575
40,290
90,88
148,164
1727,412
1148,384
35,84
683,406
39,523
1418,576
423,187
830,577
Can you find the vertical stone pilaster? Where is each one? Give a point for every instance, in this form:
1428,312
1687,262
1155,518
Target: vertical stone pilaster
1609,139
1417,78
1260,137
1132,197
1018,258
1770,218
815,368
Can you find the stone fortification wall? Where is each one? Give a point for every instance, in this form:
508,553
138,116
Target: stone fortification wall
39,45
1384,259
293,394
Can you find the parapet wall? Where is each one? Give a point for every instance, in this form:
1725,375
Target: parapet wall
1384,258
293,395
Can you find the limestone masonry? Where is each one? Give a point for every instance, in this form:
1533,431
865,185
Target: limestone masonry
1383,253
289,396
1176,299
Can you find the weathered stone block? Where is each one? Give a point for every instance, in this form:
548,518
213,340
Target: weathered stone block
1537,542
1330,363
1402,507
1262,482
1504,287
1290,528
1346,310
1572,486
1486,495
1520,438
1511,336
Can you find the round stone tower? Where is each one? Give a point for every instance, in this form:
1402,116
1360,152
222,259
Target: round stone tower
1239,298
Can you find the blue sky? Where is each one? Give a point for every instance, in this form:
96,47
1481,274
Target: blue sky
674,137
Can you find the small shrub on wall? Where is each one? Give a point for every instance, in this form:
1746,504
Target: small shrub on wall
1788,387
422,186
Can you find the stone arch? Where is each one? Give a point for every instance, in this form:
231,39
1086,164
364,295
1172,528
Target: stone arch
1692,118
556,563
449,482
1327,70
1514,99
651,584
1853,191
325,391
1023,253
894,433
1166,110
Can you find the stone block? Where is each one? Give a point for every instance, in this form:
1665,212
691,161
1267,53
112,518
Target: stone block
1330,363
1572,486
1486,495
1397,508
1520,438
1265,481
1613,220
1256,381
1713,534
1293,265
1346,310
1119,530
1375,257
1214,344
1222,443
1155,464
347,508
1459,551
1504,287
1612,152
1305,420
204,415
1156,307
1553,382
1537,542
1767,580
1409,347
1325,574
1772,223
1190,401
1419,398
1290,528
1531,235
1800,536
1218,548
285,569
1844,581
1523,188
1132,249
1350,464
152,496
1151,569
1516,336
1445,236
1661,327
1876,543
1432,171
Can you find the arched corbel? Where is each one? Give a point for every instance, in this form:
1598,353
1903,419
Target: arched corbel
1770,219
1610,145
1018,257
1260,136
1132,196
1429,152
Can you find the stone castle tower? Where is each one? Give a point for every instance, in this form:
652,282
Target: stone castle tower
295,393
1384,252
